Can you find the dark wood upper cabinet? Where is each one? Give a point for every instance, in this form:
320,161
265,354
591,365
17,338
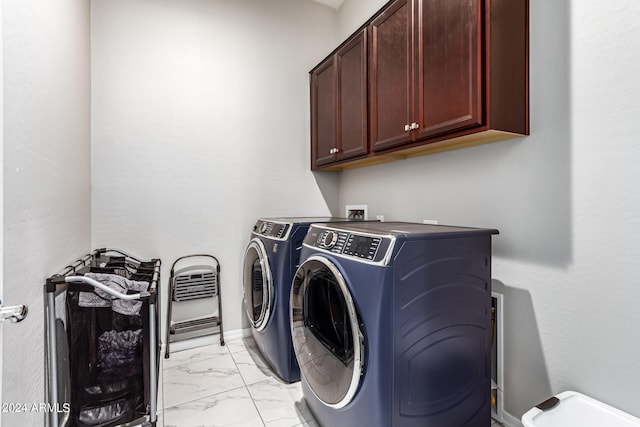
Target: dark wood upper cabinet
448,66
390,76
425,70
351,59
440,75
323,113
339,104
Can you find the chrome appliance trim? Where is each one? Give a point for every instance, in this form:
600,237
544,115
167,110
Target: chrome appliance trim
265,314
385,260
358,337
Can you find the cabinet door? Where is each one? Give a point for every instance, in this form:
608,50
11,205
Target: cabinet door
352,96
323,113
390,76
448,65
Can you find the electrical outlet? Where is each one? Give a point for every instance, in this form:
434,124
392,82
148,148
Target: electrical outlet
380,218
430,221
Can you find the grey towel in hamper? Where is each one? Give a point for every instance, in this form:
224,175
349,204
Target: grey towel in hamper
99,298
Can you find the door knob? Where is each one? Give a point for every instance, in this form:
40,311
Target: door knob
15,313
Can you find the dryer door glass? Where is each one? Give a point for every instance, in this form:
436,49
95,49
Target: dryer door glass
258,290
326,336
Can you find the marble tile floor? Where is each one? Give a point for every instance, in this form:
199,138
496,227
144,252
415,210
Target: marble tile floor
228,386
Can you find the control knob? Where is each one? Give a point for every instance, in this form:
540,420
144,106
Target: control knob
263,227
329,240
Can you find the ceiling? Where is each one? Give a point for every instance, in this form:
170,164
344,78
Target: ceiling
331,3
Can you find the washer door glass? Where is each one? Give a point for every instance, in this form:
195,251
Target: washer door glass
326,336
258,289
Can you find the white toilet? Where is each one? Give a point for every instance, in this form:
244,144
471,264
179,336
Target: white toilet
569,409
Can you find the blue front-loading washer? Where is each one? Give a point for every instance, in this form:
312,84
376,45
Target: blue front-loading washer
270,260
391,324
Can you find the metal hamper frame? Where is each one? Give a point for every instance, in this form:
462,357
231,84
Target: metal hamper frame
71,280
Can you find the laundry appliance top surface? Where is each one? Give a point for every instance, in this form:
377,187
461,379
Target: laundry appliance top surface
409,229
305,219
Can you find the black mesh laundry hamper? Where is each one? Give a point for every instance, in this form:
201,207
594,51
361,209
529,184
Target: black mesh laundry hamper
112,366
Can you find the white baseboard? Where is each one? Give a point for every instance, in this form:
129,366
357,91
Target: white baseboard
509,420
188,344
237,334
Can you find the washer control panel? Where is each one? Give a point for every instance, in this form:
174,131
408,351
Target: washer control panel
271,229
351,244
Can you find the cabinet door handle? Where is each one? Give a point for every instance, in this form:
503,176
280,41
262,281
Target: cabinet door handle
407,128
414,126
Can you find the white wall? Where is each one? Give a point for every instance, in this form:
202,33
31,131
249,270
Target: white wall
46,132
200,125
354,13
565,200
1,196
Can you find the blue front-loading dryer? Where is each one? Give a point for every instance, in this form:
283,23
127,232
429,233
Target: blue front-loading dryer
391,324
270,261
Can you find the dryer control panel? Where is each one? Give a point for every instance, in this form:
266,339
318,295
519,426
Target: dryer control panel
271,229
331,240
362,246
357,245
